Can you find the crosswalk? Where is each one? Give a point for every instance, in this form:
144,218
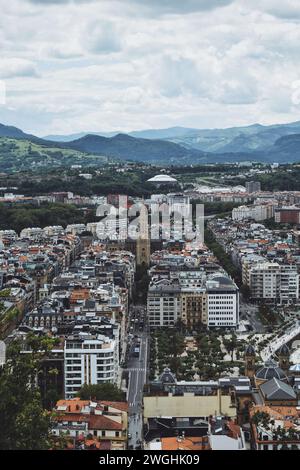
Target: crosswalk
137,369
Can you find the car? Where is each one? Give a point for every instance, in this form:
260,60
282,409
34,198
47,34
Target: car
129,435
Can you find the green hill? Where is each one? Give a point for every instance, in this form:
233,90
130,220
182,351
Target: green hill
17,154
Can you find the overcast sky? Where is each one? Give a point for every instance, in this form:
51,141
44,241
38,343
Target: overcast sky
101,65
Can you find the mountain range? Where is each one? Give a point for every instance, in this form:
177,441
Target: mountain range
180,145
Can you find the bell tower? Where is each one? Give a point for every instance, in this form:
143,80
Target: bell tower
250,361
283,355
143,241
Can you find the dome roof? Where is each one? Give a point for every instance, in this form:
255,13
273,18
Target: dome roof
167,376
162,179
249,351
269,371
295,368
283,350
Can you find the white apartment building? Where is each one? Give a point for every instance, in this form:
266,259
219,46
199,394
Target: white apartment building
89,359
53,230
274,282
75,228
34,233
8,234
222,302
256,212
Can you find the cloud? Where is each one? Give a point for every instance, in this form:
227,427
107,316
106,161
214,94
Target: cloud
154,6
147,63
179,6
101,38
289,9
58,2
11,68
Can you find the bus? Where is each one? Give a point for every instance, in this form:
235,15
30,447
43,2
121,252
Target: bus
136,351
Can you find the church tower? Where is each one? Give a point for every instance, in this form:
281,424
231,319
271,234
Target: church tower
143,240
250,361
283,355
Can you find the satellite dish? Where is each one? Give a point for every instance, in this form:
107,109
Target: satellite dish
2,353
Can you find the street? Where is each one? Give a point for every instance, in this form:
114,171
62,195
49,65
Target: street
137,374
249,312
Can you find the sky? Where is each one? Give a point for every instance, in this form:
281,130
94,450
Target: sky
69,66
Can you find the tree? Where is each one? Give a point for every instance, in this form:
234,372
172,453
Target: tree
231,345
24,424
105,391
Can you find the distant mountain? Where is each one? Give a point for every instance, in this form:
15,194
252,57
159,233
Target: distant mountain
245,139
22,154
176,145
14,132
288,145
155,134
126,147
167,134
255,138
70,137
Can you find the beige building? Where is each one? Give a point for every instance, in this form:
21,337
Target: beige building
188,406
193,307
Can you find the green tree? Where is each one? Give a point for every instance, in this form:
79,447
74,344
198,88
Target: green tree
105,391
24,424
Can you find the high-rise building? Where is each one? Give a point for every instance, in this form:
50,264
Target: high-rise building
89,359
274,282
253,186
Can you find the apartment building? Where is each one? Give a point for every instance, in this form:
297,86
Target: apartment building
253,186
288,215
274,282
257,212
193,297
163,304
222,302
193,306
89,359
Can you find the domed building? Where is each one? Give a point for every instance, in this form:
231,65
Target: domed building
163,180
269,371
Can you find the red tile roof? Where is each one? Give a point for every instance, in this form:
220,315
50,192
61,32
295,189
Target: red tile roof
78,417
103,422
119,405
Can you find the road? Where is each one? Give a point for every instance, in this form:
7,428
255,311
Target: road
137,374
249,311
280,340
